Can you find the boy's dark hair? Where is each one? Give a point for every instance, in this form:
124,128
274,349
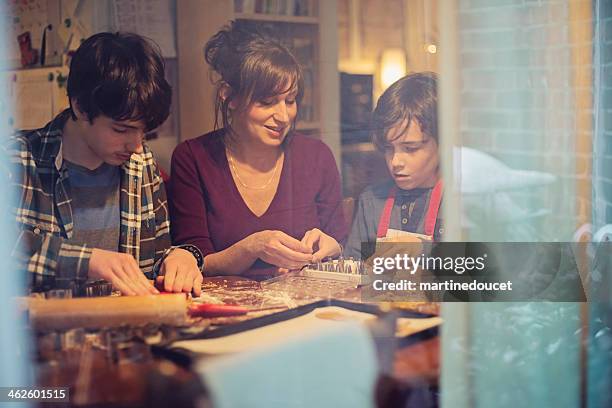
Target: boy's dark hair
253,63
413,97
120,75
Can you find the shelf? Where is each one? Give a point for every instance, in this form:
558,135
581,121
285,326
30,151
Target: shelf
32,69
277,18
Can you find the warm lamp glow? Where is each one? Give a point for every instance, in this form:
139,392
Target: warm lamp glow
392,66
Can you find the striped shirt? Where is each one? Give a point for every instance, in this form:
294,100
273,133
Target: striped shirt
45,247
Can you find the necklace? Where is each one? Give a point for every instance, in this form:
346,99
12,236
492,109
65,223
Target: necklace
242,183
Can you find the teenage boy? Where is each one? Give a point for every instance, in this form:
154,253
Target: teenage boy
90,200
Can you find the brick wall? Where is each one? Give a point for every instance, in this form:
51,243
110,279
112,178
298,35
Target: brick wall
526,99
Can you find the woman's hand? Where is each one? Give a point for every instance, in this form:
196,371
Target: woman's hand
279,249
323,244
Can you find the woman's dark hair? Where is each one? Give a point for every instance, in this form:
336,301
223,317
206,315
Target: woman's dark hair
120,75
413,97
252,64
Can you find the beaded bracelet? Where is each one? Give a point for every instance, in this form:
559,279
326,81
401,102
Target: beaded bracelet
195,251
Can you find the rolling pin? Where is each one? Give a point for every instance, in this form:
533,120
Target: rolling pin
102,312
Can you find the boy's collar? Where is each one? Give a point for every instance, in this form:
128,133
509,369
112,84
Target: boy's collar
59,159
50,154
414,192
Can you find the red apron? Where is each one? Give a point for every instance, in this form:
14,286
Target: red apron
430,216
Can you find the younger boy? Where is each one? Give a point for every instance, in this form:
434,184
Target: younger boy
404,127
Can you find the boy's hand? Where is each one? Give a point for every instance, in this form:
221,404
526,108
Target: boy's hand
181,272
121,270
410,245
323,244
279,249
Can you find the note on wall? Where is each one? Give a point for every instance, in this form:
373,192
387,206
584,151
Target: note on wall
151,18
34,96
33,103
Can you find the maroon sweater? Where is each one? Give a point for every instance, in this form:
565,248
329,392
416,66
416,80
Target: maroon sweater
207,210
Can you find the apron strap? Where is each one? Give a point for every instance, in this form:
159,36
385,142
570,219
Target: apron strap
385,217
430,217
432,210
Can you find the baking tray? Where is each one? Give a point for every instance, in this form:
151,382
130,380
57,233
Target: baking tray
185,357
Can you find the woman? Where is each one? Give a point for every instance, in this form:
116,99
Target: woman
254,190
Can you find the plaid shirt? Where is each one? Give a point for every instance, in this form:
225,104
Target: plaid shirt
44,213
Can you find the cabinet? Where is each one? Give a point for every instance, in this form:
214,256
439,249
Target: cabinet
36,96
307,27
